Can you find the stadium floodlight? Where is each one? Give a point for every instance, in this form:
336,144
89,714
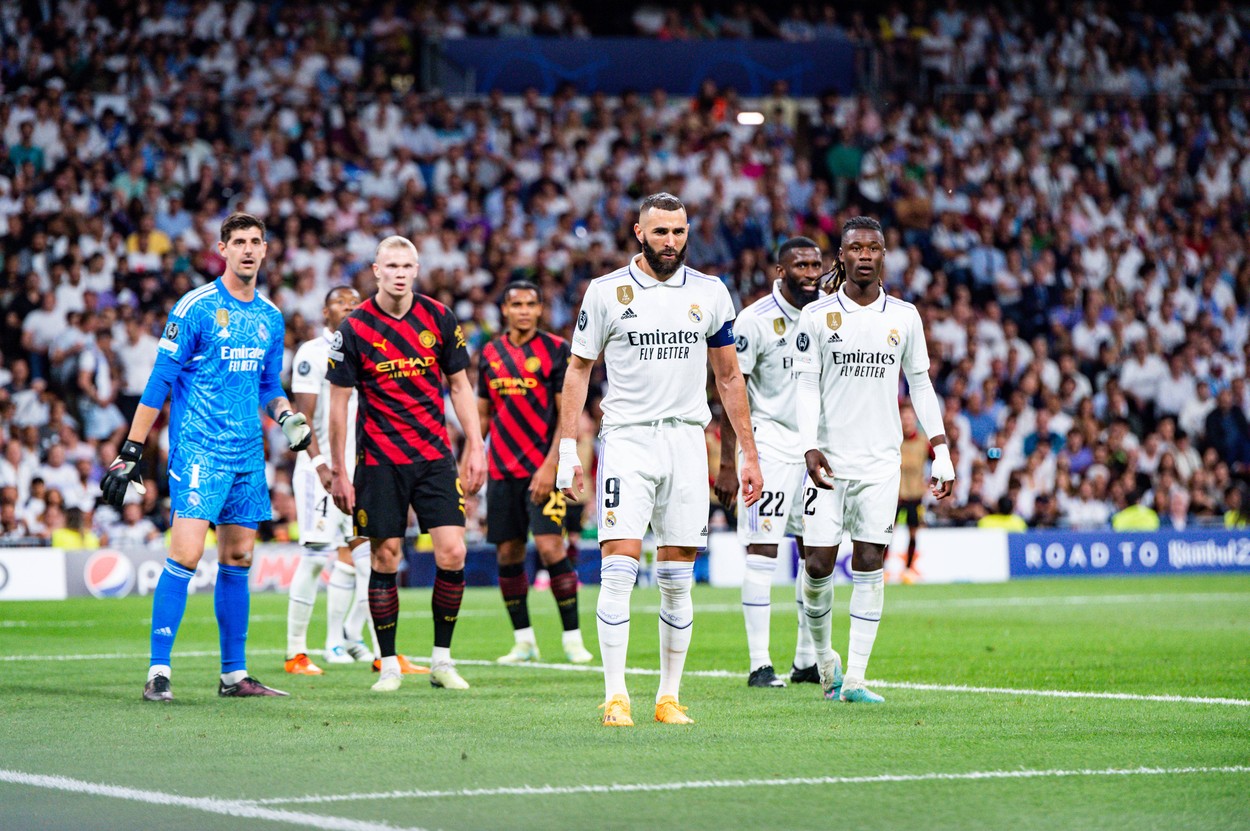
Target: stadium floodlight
750,119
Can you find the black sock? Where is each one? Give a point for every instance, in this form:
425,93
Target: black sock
515,586
445,604
564,590
384,607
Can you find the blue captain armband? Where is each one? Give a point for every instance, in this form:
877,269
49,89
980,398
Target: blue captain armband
725,337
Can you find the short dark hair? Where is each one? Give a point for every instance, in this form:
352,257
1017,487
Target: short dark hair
520,285
661,201
795,242
330,293
239,222
861,223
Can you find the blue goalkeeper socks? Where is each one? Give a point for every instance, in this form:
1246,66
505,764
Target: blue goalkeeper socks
232,602
169,602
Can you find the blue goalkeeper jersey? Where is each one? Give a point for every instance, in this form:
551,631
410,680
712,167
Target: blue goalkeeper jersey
223,360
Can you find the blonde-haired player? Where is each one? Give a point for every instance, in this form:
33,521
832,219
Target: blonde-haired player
657,324
848,351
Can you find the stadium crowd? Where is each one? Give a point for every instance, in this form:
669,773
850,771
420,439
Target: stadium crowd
1073,222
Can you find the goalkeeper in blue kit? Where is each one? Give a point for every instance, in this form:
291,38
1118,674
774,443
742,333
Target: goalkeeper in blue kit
221,355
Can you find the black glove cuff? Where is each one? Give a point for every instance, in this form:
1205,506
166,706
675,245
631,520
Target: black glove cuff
284,415
131,450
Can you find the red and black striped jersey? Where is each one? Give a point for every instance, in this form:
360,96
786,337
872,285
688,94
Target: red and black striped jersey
399,366
521,383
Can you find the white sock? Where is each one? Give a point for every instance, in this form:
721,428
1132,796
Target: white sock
867,601
757,585
525,635
390,663
339,596
353,626
159,669
440,656
572,637
676,622
817,606
232,678
618,574
804,648
300,600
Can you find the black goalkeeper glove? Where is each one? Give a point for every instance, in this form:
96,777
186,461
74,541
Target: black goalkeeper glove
295,427
123,471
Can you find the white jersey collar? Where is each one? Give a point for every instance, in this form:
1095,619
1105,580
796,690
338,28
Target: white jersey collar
850,306
648,282
791,313
327,334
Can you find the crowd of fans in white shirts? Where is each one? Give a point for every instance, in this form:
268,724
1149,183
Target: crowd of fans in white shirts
1078,250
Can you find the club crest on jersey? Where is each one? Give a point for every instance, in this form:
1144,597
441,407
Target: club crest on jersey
695,313
625,295
427,338
893,338
223,318
779,325
362,519
768,525
533,363
263,332
833,320
609,519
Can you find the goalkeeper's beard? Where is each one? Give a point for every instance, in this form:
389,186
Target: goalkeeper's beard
662,268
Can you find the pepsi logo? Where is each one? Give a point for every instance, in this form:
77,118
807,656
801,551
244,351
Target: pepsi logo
109,574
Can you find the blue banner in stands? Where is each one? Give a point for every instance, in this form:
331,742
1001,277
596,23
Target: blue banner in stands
1068,553
614,65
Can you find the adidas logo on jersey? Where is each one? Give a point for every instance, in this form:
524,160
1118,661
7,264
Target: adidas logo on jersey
703,533
835,338
629,315
889,529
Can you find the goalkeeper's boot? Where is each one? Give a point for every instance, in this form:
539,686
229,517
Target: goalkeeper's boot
389,682
157,689
765,676
616,712
522,652
831,677
857,693
300,665
446,677
668,711
806,675
247,688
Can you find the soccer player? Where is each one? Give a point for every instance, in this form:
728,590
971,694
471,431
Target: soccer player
398,348
848,350
657,323
764,331
221,353
324,529
520,376
915,453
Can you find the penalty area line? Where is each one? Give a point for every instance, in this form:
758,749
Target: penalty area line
244,809
706,784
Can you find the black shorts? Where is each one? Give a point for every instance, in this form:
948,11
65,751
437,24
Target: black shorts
385,492
510,515
910,508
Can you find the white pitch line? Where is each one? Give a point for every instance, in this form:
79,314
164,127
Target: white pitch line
705,784
702,673
226,807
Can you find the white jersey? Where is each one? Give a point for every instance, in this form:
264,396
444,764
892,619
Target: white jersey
654,337
309,376
765,333
859,351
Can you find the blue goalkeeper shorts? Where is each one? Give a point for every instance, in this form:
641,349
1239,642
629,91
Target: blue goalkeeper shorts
198,490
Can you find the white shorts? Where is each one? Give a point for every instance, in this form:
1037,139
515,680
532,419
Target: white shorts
654,475
866,510
779,512
321,523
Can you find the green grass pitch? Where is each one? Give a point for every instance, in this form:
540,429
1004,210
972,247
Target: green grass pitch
1160,738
